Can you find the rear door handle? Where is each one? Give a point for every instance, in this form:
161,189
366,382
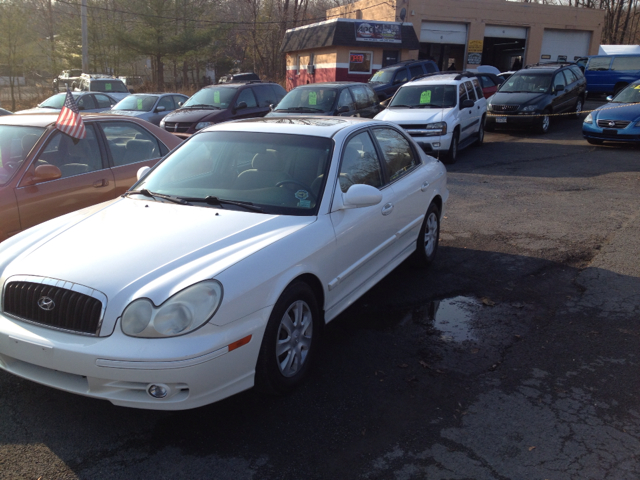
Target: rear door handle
101,183
387,209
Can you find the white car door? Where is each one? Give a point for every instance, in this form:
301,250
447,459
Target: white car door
363,235
467,118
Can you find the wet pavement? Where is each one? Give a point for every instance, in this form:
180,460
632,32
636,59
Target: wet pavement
514,357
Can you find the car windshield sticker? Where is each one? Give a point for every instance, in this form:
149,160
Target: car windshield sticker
216,97
637,87
304,203
313,98
302,194
425,97
139,104
107,87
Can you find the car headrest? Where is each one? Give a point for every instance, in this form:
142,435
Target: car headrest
267,161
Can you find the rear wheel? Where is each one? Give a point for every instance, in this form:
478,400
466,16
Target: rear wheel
428,238
290,340
480,140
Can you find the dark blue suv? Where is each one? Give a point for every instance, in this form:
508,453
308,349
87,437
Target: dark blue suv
386,81
611,73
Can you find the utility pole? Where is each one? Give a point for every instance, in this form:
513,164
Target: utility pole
85,38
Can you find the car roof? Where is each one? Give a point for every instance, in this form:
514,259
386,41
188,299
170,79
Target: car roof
404,64
452,78
330,84
312,126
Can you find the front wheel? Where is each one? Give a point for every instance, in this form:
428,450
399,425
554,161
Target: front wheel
428,238
290,340
544,123
452,154
578,108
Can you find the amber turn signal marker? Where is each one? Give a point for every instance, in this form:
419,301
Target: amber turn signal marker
239,343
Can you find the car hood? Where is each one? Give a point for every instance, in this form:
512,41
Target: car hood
192,115
129,113
39,110
503,98
413,115
619,111
131,248
299,114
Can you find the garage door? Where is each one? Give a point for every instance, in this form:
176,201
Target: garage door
438,32
563,45
501,31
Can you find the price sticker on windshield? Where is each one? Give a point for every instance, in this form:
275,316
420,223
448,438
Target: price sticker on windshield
107,87
313,98
139,104
216,97
425,97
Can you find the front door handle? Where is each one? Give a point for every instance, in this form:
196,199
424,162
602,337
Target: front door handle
424,187
387,209
101,183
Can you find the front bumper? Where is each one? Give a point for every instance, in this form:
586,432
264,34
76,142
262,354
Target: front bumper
197,369
433,144
501,120
630,134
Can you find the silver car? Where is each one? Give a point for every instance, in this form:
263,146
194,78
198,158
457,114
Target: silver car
86,101
151,107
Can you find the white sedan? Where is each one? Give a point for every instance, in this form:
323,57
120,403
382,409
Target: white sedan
218,269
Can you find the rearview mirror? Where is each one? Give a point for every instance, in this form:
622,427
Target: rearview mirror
45,173
360,195
142,171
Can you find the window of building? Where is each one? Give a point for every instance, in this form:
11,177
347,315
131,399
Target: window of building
360,62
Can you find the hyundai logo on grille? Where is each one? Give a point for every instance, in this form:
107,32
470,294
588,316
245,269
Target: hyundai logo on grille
45,303
612,123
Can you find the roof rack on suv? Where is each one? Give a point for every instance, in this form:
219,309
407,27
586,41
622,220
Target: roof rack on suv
550,64
458,75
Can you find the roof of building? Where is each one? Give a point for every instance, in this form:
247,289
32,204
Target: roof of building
342,32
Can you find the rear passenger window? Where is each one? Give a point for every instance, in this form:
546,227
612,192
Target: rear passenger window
626,63
430,68
462,94
130,143
470,91
396,151
569,76
599,63
362,99
416,70
478,88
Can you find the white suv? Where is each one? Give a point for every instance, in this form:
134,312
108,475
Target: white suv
442,112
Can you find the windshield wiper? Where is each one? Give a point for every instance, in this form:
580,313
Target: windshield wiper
210,200
401,106
201,105
47,106
149,194
300,109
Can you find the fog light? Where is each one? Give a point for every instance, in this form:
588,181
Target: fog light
436,144
158,391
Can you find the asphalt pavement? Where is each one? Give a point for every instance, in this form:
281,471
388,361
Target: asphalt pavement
515,356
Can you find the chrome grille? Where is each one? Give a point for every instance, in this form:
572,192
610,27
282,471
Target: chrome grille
613,123
66,307
505,108
176,127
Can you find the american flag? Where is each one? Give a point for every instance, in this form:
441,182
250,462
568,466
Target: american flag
69,121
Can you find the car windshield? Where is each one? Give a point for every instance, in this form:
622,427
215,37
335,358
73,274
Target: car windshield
138,103
54,102
15,143
631,94
382,76
425,96
219,97
279,173
527,83
108,86
315,99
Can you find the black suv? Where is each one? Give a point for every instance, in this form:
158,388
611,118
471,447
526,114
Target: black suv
221,103
238,77
348,99
386,81
529,96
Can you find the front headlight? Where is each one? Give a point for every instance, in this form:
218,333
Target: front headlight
162,122
202,125
588,119
489,107
439,128
529,108
184,312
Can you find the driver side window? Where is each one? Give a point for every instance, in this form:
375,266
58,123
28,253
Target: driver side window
346,100
558,80
72,158
360,163
248,97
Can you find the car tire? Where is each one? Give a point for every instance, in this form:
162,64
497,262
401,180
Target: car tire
428,238
595,141
544,123
578,108
290,340
480,140
452,154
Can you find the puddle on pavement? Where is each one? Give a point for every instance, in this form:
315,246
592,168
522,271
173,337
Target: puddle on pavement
451,317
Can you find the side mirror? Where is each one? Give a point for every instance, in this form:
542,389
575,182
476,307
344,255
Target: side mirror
467,103
360,195
131,90
609,98
272,107
342,109
81,107
559,88
45,173
180,104
142,171
161,109
241,105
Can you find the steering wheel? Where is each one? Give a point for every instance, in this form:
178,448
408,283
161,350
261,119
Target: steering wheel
300,184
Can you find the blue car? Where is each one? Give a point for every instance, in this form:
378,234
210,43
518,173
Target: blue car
616,121
151,107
